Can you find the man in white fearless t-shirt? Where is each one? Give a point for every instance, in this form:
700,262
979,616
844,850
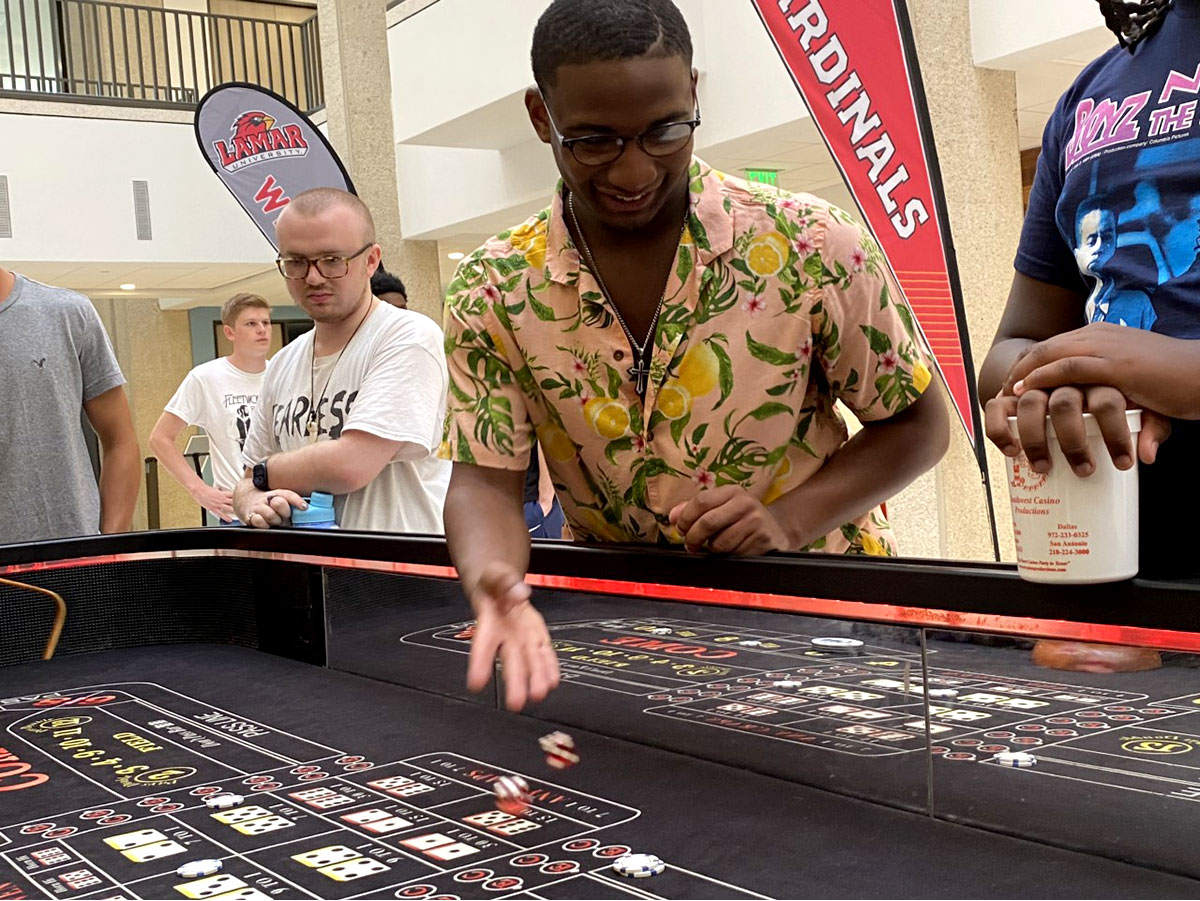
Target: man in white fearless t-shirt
218,396
353,408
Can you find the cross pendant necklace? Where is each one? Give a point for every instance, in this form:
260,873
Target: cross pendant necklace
639,372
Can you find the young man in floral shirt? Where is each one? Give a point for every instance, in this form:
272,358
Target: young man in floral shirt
674,339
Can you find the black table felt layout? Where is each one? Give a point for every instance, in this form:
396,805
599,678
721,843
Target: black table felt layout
358,788
1118,753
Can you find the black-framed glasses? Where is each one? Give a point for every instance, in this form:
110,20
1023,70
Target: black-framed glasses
330,266
597,150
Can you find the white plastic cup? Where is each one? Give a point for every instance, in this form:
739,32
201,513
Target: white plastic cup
1071,529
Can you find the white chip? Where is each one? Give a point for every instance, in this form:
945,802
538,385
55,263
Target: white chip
751,643
197,868
661,630
1015,758
224,802
639,866
942,692
836,643
787,683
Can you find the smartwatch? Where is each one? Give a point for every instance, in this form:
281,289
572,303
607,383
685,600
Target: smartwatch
258,475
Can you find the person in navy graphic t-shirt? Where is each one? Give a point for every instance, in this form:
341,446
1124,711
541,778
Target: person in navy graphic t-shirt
1104,311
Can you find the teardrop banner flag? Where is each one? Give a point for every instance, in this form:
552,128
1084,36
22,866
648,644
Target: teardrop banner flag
854,63
264,150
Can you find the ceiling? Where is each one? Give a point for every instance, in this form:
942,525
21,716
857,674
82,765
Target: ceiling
1040,84
177,285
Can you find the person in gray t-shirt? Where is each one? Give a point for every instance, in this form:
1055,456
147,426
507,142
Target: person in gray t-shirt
55,358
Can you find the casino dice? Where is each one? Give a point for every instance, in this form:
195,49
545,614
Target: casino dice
560,750
512,795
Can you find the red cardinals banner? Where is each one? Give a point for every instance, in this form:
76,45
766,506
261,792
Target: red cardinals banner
854,63
264,150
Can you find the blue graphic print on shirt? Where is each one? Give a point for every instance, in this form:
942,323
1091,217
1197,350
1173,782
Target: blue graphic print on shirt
1116,200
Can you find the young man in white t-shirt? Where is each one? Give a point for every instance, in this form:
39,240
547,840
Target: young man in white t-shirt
353,408
218,396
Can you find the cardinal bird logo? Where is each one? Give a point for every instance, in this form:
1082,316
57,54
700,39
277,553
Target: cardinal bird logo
254,123
257,137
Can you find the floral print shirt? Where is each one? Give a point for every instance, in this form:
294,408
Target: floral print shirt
777,306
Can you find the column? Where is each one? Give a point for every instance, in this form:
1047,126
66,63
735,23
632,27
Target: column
973,111
358,103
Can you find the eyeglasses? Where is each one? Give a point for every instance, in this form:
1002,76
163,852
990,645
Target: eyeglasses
597,150
296,268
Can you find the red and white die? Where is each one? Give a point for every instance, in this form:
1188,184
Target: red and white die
512,795
559,749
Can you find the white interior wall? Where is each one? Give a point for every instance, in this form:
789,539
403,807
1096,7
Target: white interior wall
1002,36
88,165
468,163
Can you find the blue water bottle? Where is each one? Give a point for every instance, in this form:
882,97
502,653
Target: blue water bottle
319,515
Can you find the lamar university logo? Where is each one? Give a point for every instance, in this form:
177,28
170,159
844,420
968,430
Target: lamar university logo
257,138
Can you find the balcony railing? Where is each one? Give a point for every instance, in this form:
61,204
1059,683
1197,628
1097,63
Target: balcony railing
97,51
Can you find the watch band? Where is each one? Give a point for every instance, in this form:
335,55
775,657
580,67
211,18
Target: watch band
258,476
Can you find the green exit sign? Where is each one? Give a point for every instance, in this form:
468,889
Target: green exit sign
766,176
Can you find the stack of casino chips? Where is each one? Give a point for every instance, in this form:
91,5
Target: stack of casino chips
639,866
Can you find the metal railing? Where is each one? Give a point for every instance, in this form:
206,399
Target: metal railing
117,53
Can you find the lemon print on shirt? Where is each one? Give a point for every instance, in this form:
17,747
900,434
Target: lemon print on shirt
779,484
535,253
766,254
593,520
556,443
498,344
872,545
699,370
674,401
699,374
608,418
921,376
530,240
522,236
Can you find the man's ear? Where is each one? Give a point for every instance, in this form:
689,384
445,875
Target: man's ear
535,105
228,333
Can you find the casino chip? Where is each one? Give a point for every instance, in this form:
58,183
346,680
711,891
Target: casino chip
560,750
639,866
224,801
942,692
836,645
1015,758
512,795
751,643
197,868
787,683
661,630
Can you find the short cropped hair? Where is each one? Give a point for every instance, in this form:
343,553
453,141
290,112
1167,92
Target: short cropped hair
384,282
232,308
572,32
315,201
